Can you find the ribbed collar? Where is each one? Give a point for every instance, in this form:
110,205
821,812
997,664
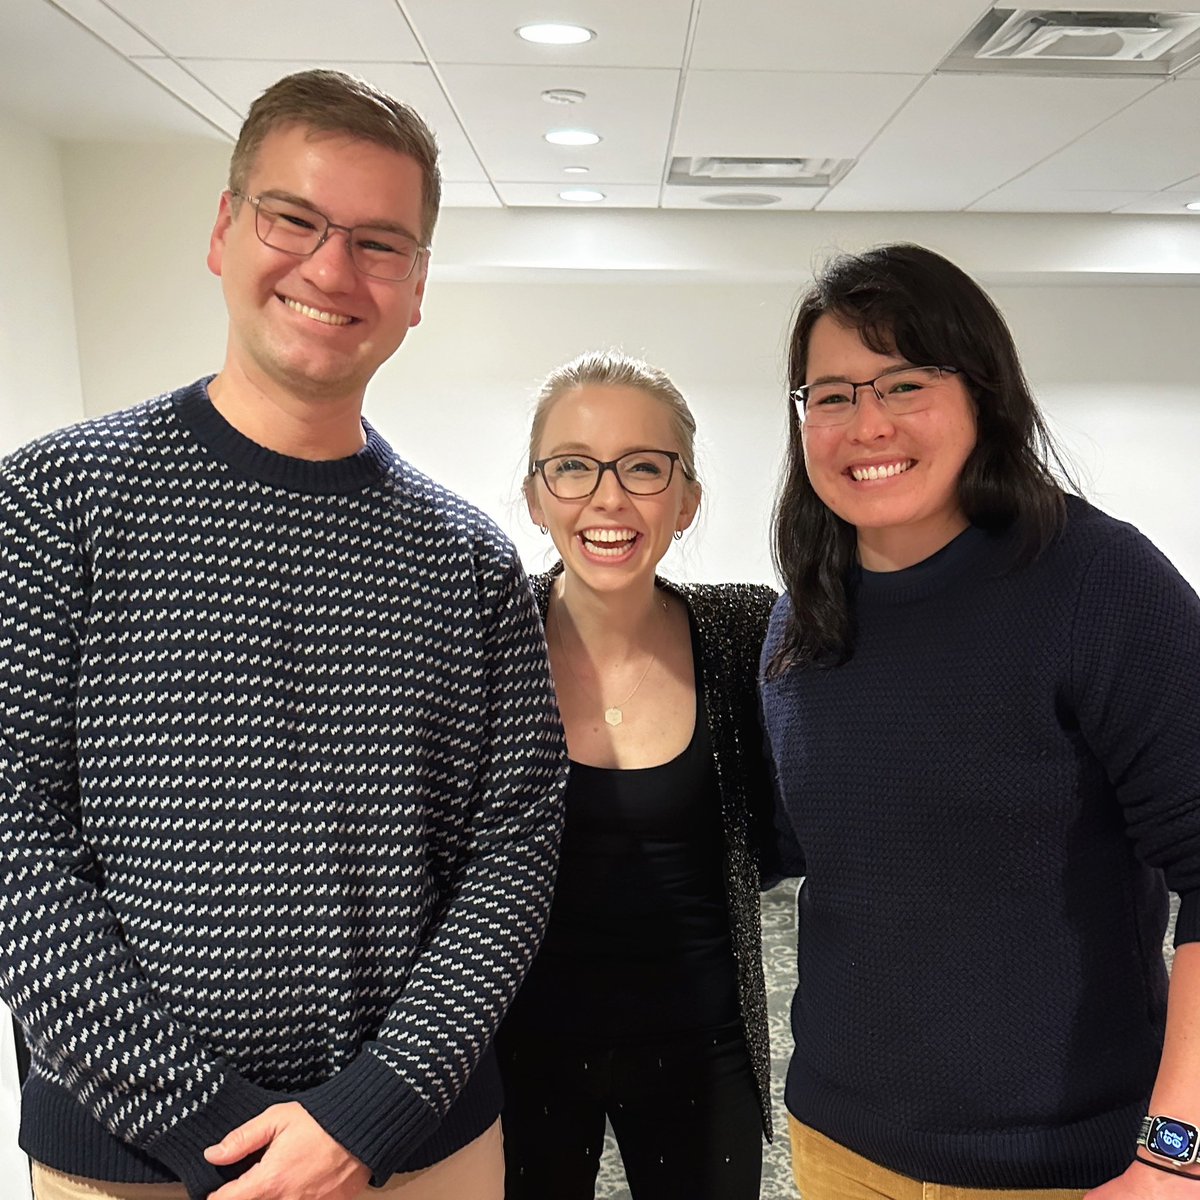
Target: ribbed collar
970,550
249,460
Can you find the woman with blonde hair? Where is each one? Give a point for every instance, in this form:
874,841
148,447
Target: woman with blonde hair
646,1004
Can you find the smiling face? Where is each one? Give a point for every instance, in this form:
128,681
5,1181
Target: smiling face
317,327
611,540
895,479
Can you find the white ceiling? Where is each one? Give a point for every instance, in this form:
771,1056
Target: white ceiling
781,78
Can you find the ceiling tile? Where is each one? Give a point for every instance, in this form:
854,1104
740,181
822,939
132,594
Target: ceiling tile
300,29
961,136
784,114
871,36
1021,197
193,93
504,115
629,33
1152,144
239,83
107,25
69,83
469,195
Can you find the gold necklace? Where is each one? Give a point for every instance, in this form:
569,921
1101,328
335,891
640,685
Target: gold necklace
613,714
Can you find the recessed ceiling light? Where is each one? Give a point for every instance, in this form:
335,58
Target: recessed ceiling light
563,96
554,33
572,137
580,195
576,170
1194,206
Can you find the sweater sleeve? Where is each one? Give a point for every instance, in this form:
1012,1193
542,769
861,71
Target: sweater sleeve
783,856
776,849
390,1097
66,970
1135,667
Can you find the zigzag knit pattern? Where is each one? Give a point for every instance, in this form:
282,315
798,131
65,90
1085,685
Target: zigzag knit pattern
280,769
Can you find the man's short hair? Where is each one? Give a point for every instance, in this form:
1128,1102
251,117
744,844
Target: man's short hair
337,103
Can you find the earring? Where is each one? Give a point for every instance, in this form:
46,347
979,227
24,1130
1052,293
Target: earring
544,528
678,535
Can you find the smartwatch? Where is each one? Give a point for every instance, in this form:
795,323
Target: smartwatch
1171,1139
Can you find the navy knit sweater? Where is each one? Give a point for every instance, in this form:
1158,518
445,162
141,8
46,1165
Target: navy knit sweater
280,776
988,796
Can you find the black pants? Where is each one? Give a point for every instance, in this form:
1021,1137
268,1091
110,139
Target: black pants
685,1115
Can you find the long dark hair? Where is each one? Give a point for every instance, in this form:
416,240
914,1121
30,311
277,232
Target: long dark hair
908,300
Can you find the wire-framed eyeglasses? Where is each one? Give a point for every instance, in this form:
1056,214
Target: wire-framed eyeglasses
901,391
577,476
297,229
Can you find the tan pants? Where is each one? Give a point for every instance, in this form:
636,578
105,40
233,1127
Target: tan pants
476,1172
825,1170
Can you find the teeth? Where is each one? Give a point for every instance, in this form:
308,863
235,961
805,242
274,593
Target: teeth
317,314
608,535
607,543
885,472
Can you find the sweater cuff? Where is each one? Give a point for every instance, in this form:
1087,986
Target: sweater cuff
1187,921
181,1148
373,1113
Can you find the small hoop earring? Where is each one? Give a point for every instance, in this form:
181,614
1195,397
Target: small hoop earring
544,528
678,535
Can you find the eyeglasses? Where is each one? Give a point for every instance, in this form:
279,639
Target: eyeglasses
577,476
901,391
302,231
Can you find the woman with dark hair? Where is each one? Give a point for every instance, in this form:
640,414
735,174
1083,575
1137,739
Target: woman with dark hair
981,695
646,1003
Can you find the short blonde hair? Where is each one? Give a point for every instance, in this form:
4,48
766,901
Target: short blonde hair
612,368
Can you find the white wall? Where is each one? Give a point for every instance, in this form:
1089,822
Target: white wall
39,362
39,391
1113,363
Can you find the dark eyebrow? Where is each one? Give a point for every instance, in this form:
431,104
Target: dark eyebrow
902,365
301,202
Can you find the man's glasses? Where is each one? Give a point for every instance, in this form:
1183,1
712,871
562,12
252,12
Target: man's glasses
577,476
302,231
902,391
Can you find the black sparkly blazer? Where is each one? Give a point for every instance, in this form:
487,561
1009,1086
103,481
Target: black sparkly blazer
731,622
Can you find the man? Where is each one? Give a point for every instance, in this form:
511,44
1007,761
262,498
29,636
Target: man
280,765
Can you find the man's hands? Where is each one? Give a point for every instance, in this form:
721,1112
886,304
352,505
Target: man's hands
301,1162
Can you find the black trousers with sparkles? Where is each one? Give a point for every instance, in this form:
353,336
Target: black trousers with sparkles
685,1116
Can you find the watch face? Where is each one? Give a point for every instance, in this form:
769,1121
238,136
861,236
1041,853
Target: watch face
1172,1139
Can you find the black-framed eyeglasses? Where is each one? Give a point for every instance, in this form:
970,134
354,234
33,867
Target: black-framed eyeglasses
901,391
302,231
577,476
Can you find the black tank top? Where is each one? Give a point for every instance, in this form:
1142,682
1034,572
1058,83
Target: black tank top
638,943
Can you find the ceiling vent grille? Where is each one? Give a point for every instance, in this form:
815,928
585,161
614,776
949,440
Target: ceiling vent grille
754,172
1055,42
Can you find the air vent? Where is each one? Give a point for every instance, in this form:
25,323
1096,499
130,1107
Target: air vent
1053,42
754,172
741,199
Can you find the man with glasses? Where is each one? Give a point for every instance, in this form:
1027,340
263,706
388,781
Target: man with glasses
280,765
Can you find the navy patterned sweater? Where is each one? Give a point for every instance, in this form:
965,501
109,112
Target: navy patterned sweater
280,794
988,796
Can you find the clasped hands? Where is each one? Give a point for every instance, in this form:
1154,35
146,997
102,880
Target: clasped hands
301,1161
